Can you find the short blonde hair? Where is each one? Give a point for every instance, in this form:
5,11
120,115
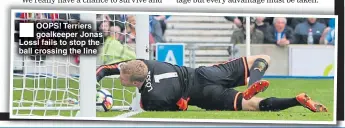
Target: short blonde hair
136,69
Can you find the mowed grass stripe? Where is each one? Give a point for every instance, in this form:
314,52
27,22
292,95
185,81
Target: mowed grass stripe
319,90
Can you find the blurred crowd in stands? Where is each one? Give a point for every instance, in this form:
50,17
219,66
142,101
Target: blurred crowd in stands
283,31
124,27
264,30
119,31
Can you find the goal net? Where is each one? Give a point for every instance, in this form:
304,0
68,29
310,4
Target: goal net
50,86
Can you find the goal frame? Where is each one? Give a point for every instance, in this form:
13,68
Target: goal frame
87,67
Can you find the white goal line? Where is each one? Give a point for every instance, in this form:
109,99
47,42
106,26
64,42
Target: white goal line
43,75
114,108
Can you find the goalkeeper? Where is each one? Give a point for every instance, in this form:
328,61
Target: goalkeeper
167,87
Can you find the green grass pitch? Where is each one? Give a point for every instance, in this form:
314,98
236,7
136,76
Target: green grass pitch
321,90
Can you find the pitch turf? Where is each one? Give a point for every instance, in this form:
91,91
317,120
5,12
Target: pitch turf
319,89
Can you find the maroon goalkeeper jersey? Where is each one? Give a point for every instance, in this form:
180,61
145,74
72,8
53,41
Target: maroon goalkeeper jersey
166,87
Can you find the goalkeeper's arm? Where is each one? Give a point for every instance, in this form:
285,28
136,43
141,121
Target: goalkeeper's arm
108,70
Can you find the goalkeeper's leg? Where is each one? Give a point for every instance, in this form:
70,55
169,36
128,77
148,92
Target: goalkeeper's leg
278,104
258,65
217,97
237,71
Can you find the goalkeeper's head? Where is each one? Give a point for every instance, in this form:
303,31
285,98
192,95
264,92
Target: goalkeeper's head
133,73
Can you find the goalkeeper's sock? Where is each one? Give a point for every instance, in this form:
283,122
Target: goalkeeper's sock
277,104
257,71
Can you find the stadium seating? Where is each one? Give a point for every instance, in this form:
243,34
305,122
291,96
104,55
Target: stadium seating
198,29
201,30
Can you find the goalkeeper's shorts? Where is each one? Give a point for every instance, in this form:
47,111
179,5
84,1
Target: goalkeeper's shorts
217,97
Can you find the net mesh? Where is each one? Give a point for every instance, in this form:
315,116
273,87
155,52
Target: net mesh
49,85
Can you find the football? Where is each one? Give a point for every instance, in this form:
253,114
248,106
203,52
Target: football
104,100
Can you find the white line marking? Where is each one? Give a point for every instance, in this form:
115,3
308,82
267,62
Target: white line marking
129,114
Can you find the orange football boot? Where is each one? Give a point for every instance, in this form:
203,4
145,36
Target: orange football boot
255,88
313,106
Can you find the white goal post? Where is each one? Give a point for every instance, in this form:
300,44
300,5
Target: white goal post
43,87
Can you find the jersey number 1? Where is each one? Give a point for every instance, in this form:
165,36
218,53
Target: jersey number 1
165,76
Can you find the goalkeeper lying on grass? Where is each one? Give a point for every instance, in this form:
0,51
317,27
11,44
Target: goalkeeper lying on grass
167,87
